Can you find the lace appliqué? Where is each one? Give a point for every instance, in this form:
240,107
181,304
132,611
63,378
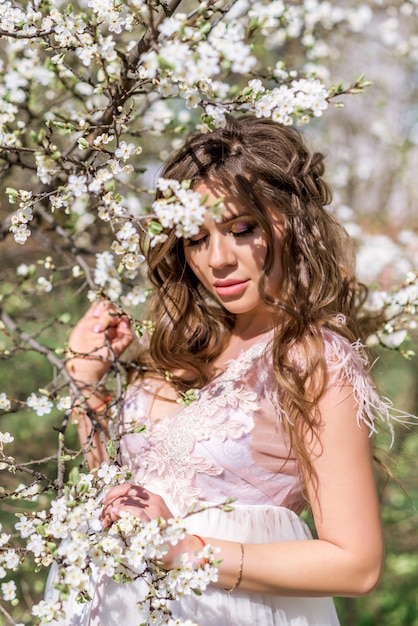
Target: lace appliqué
223,410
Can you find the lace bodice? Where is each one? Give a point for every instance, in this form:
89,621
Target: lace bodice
230,441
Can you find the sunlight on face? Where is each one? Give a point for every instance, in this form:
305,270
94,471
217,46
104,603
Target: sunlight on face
228,257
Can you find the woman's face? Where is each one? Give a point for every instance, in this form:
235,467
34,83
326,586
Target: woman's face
228,257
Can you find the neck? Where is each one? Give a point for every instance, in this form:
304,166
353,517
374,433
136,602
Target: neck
247,328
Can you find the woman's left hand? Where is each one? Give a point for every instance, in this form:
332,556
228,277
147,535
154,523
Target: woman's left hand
133,499
146,506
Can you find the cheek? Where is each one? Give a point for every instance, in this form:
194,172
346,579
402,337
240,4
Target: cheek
257,251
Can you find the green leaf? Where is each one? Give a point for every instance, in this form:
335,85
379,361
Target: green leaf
154,228
111,448
74,476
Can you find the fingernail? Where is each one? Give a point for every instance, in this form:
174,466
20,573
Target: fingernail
98,308
97,328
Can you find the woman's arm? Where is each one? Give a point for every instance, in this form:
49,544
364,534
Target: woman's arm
100,336
347,557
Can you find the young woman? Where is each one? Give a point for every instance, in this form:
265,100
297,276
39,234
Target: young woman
259,314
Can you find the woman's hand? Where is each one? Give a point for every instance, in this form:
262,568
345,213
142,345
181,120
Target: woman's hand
146,506
100,335
133,499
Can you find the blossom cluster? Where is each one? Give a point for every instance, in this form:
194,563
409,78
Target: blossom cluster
92,98
71,535
179,208
198,60
399,310
307,95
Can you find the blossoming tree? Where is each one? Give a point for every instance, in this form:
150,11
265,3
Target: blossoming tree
93,96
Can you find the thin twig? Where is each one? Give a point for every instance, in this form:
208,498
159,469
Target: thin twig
29,339
7,615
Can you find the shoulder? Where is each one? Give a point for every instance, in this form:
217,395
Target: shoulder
349,372
331,349
343,357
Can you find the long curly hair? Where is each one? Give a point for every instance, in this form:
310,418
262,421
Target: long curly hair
263,165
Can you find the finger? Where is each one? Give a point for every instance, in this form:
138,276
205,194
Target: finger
105,320
110,514
131,503
97,308
120,334
103,310
113,513
139,513
123,329
120,491
116,492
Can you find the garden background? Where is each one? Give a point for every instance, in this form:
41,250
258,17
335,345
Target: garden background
93,97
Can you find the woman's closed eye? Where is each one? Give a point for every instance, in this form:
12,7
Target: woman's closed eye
238,229
190,243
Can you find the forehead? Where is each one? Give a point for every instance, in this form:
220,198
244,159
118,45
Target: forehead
211,191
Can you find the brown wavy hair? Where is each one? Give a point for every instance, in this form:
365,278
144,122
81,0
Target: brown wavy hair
263,165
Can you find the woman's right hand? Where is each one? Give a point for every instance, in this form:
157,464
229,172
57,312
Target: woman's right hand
102,334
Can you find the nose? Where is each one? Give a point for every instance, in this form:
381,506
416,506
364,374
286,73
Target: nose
221,251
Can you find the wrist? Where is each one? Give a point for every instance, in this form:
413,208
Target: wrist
191,545
83,374
201,544
93,402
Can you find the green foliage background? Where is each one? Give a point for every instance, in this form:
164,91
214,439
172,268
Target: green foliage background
393,603
48,317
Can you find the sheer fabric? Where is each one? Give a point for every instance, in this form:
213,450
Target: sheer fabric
229,442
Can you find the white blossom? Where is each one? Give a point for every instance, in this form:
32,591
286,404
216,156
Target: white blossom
8,590
180,208
5,405
137,295
44,284
6,438
77,185
125,150
64,403
41,404
110,473
25,526
11,559
47,611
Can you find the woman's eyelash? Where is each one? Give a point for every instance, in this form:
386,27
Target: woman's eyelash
195,242
241,233
249,228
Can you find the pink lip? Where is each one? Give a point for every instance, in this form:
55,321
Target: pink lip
230,287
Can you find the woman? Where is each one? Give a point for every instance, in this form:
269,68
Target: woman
259,313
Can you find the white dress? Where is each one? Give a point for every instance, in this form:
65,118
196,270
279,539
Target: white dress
228,443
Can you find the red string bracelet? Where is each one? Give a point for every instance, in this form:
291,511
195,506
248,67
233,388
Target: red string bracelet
77,411
101,404
204,544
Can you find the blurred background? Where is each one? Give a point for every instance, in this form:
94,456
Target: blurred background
371,145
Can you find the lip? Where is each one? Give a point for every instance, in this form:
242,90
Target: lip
230,287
